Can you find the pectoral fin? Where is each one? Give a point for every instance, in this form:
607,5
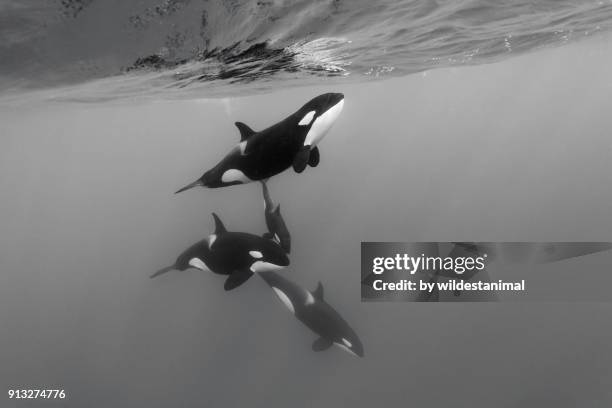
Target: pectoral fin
321,344
301,159
313,160
236,279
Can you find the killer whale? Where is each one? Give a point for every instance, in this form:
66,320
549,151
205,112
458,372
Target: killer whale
277,229
290,142
312,310
236,254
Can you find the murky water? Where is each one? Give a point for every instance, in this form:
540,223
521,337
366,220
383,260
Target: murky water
516,150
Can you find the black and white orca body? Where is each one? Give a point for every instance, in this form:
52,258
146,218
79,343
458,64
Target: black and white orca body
277,229
291,142
316,314
237,254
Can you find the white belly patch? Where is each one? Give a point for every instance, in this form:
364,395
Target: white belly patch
322,124
284,298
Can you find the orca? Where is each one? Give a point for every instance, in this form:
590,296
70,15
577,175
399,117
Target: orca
236,254
277,229
290,142
312,310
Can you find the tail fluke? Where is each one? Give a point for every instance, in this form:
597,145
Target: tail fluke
190,186
162,271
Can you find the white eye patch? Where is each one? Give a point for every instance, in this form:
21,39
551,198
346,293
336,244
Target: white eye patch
256,254
307,118
346,342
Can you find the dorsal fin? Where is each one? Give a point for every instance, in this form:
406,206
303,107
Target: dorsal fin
277,209
318,292
245,131
219,227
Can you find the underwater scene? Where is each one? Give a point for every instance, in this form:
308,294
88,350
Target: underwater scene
186,186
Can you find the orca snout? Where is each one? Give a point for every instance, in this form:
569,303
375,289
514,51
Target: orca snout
284,260
286,244
280,259
329,100
334,98
276,254
358,348
352,346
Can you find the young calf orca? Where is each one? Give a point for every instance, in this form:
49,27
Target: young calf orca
291,142
237,254
277,229
316,314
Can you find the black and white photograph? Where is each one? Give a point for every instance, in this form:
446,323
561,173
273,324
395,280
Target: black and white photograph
291,203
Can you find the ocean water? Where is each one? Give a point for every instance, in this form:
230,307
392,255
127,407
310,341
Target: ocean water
99,50
517,149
